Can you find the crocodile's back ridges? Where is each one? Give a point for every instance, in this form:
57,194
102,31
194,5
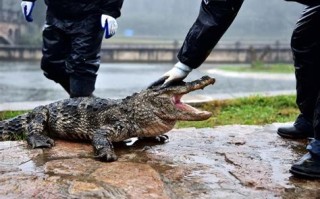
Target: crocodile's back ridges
76,118
13,129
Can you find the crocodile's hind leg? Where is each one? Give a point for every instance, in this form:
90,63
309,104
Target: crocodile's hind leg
102,145
36,128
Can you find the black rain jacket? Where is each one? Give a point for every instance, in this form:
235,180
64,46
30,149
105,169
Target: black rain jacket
75,9
307,2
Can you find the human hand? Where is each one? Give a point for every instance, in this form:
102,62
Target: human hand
27,7
109,24
177,73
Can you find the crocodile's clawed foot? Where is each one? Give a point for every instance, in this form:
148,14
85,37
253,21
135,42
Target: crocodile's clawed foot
162,138
106,155
40,141
159,139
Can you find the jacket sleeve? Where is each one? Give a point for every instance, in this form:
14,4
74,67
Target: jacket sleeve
307,2
112,7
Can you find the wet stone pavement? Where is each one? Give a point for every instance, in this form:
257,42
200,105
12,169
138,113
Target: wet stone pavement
224,162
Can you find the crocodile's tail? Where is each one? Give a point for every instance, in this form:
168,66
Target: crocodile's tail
13,129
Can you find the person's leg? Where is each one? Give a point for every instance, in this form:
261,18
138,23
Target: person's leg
56,47
214,19
302,128
305,51
84,60
309,164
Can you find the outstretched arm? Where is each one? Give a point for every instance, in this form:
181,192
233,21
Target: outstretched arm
214,18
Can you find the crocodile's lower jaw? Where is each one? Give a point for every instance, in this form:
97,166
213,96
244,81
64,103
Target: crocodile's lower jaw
196,114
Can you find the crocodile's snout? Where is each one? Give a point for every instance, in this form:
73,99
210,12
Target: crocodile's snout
199,84
184,111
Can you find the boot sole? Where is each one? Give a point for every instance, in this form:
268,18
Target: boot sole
290,136
304,175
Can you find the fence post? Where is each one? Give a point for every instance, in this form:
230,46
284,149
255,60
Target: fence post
175,50
277,50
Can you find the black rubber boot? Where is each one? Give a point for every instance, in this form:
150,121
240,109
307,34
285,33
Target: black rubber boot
61,78
302,128
81,86
65,85
309,165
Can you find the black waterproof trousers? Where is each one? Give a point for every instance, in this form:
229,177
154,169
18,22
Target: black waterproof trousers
214,19
71,53
305,45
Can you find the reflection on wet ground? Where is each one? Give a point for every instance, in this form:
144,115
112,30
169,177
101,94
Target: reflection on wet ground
23,81
224,162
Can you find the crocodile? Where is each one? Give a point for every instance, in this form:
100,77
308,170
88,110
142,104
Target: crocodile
149,113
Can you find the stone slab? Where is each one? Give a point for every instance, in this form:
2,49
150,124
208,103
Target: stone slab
224,162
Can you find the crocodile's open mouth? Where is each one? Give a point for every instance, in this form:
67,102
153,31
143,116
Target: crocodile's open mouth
190,112
180,105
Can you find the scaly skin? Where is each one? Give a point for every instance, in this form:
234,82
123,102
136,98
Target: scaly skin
150,113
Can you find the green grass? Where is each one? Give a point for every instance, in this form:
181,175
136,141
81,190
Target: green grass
261,68
10,114
255,110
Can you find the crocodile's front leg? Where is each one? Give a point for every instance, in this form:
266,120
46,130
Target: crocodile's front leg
158,139
36,128
102,145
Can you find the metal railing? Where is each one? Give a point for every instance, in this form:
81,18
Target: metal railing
223,53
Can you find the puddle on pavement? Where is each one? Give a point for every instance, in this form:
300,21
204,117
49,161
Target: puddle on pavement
28,166
133,151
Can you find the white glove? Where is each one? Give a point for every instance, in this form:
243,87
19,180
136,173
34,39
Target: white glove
177,73
109,24
27,7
